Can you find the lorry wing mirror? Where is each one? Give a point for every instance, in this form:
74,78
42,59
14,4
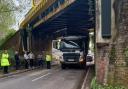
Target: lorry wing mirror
56,44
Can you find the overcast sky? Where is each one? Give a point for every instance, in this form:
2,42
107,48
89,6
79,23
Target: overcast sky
20,14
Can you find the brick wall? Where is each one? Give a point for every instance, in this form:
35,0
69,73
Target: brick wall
13,42
102,46
102,63
118,70
112,57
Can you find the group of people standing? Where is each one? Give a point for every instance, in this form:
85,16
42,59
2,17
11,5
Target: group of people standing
30,61
40,60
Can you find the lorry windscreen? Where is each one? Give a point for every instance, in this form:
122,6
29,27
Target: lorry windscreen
69,45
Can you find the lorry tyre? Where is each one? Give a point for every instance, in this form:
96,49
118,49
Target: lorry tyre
63,66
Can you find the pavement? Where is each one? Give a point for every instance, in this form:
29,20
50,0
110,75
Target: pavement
13,72
54,78
90,74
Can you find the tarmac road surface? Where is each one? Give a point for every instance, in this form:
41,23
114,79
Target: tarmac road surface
54,78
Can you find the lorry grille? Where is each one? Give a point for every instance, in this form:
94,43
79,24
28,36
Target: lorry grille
71,56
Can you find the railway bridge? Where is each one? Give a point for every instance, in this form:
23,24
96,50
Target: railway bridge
107,19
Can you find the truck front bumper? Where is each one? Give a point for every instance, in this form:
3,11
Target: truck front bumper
77,63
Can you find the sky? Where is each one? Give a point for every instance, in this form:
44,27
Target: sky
20,14
16,2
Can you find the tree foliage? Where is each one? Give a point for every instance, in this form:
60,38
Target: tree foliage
6,16
24,7
7,37
7,19
11,13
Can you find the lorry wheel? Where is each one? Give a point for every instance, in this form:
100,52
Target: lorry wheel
63,66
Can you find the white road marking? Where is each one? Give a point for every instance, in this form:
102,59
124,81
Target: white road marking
37,73
41,77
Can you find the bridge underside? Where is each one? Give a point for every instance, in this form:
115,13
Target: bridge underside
75,19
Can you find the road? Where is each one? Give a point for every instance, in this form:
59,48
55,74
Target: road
54,78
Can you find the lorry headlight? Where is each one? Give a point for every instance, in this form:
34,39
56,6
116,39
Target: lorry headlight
61,59
81,59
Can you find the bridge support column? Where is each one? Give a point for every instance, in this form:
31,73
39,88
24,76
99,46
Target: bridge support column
48,45
40,43
105,33
112,52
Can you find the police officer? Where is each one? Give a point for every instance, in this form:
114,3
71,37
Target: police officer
48,61
5,61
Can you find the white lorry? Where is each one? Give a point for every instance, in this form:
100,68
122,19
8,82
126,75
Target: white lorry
70,50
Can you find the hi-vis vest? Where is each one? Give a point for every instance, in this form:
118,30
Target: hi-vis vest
4,59
48,58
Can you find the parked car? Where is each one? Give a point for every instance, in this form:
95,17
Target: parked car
90,58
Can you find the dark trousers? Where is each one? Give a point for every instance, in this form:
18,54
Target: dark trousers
5,70
17,65
31,63
26,64
48,64
35,63
41,63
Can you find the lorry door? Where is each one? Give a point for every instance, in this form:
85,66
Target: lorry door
55,44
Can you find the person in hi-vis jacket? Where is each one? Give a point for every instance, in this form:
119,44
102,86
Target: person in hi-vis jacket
48,60
5,61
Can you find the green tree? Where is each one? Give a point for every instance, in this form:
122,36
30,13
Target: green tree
10,13
7,19
6,16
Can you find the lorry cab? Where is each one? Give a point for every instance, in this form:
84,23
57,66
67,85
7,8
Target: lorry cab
68,51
